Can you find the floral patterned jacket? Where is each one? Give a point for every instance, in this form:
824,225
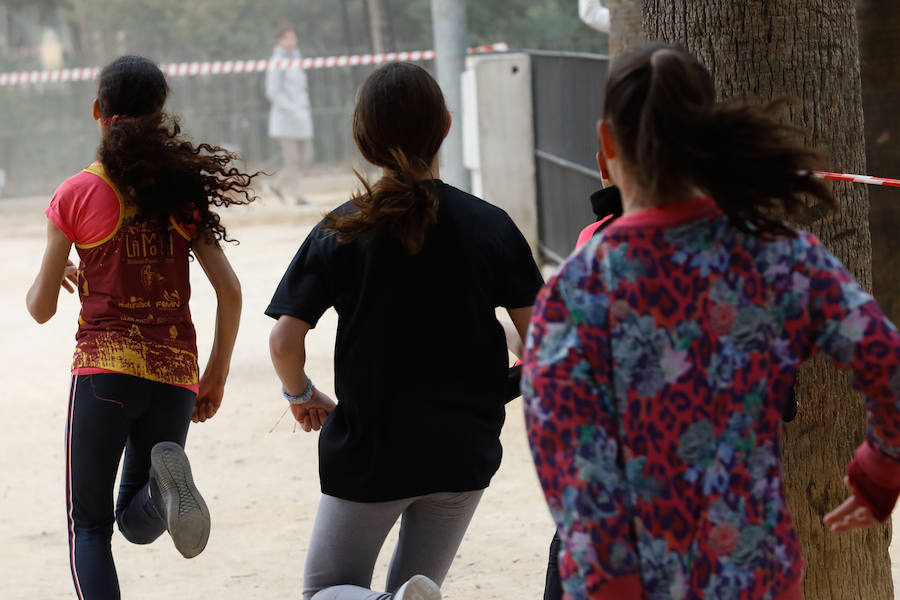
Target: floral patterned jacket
658,361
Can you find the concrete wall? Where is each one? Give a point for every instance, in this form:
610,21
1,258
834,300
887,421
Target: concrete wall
498,136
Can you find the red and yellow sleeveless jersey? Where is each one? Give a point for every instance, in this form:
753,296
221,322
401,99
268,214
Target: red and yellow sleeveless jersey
132,281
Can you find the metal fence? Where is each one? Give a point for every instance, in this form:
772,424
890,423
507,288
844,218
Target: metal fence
47,134
568,101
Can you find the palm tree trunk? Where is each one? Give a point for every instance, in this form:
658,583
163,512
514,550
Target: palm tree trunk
625,25
805,49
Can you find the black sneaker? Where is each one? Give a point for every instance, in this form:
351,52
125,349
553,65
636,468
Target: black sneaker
176,498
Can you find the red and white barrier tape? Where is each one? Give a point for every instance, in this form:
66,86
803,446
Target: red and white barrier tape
238,66
857,178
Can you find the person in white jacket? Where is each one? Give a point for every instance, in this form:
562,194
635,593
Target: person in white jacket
593,13
290,118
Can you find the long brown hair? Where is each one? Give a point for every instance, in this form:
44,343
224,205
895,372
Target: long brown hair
399,124
671,132
143,153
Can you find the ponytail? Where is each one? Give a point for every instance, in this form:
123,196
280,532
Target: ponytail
673,135
398,203
399,123
759,173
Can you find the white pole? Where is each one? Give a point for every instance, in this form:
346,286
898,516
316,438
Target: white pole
448,19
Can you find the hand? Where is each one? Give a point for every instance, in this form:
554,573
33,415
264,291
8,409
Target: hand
850,515
70,275
209,399
311,415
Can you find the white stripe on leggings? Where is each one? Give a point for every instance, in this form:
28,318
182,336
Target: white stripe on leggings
70,502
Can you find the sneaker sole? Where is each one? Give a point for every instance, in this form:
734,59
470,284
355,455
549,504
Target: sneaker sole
187,515
420,587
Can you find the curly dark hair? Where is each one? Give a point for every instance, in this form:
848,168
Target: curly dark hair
153,166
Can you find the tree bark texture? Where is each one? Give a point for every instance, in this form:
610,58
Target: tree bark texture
625,25
879,49
807,50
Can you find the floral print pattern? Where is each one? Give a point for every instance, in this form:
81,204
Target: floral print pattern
657,365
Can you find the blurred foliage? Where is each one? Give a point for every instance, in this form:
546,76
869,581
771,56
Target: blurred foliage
181,30
547,24
176,30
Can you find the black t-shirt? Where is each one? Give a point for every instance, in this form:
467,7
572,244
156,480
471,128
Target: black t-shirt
420,359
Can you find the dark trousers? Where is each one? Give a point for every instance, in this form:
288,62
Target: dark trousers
553,584
109,413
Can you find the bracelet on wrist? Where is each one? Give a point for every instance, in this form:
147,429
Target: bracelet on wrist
302,398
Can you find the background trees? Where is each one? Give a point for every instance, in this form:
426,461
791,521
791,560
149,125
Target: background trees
175,30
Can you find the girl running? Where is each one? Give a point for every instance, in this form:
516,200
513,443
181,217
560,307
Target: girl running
415,269
663,351
135,215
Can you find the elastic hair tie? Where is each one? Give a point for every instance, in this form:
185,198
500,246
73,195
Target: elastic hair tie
110,120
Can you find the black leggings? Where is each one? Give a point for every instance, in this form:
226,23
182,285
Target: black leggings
553,585
110,412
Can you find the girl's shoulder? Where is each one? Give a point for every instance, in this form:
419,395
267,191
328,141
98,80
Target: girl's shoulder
801,244
591,230
86,206
805,239
80,182
91,180
466,208
808,251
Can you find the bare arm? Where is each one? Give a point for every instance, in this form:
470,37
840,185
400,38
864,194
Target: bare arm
521,317
56,269
513,339
287,347
228,317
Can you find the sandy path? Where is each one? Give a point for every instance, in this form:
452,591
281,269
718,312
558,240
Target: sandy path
262,488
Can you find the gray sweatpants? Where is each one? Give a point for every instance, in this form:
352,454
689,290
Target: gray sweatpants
347,537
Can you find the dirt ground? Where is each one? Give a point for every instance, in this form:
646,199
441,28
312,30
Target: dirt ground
262,486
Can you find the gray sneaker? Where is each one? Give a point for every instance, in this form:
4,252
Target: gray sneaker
176,498
418,587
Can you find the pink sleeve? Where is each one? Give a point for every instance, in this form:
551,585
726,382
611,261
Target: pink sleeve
85,208
62,209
